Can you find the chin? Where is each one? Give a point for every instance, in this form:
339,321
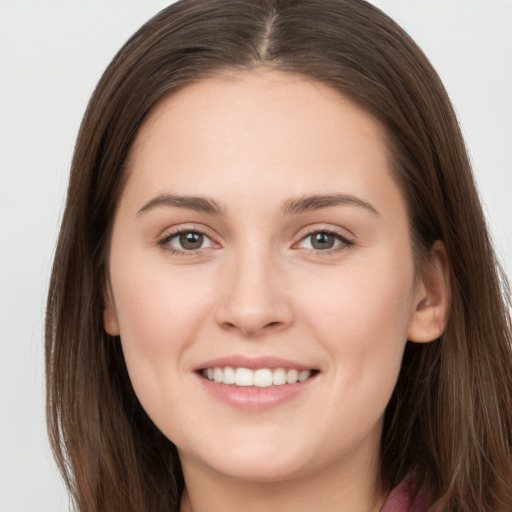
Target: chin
253,457
261,469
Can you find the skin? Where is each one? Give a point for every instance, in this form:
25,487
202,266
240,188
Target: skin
252,142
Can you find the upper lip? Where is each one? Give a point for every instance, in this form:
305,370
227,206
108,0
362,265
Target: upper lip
252,363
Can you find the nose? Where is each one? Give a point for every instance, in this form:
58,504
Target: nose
255,300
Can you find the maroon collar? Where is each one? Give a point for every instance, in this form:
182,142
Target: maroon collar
406,497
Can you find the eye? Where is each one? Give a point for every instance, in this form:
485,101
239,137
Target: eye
324,240
186,241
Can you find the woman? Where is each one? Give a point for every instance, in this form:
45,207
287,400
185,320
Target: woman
274,287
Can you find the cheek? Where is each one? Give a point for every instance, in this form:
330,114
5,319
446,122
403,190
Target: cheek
361,317
159,318
360,299
159,314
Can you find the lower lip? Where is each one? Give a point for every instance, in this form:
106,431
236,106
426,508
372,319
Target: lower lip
252,398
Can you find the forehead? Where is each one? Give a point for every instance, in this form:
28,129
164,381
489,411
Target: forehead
259,130
261,100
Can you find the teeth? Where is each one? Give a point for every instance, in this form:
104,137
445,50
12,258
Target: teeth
243,377
218,375
303,375
262,378
292,376
228,376
279,377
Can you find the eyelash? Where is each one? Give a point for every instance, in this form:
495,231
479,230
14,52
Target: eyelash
164,242
344,244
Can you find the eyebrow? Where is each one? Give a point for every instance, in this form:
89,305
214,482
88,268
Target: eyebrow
316,202
290,207
198,204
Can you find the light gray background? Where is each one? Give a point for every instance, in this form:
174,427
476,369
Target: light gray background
51,55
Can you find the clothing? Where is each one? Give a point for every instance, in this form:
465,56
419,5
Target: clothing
405,497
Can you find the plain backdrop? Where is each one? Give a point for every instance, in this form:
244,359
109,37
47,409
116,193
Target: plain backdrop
52,53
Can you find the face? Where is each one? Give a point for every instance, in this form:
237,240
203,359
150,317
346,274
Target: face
261,276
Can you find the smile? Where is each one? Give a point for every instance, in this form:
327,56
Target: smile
261,377
256,383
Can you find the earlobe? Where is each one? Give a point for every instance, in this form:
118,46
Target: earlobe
432,298
109,314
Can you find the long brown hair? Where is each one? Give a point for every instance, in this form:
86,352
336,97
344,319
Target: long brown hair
450,417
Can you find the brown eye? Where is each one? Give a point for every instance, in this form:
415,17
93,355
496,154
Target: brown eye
322,240
184,242
190,240
325,241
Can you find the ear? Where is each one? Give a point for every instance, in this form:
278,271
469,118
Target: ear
432,298
109,313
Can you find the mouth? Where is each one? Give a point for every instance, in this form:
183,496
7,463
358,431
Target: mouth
257,378
256,383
